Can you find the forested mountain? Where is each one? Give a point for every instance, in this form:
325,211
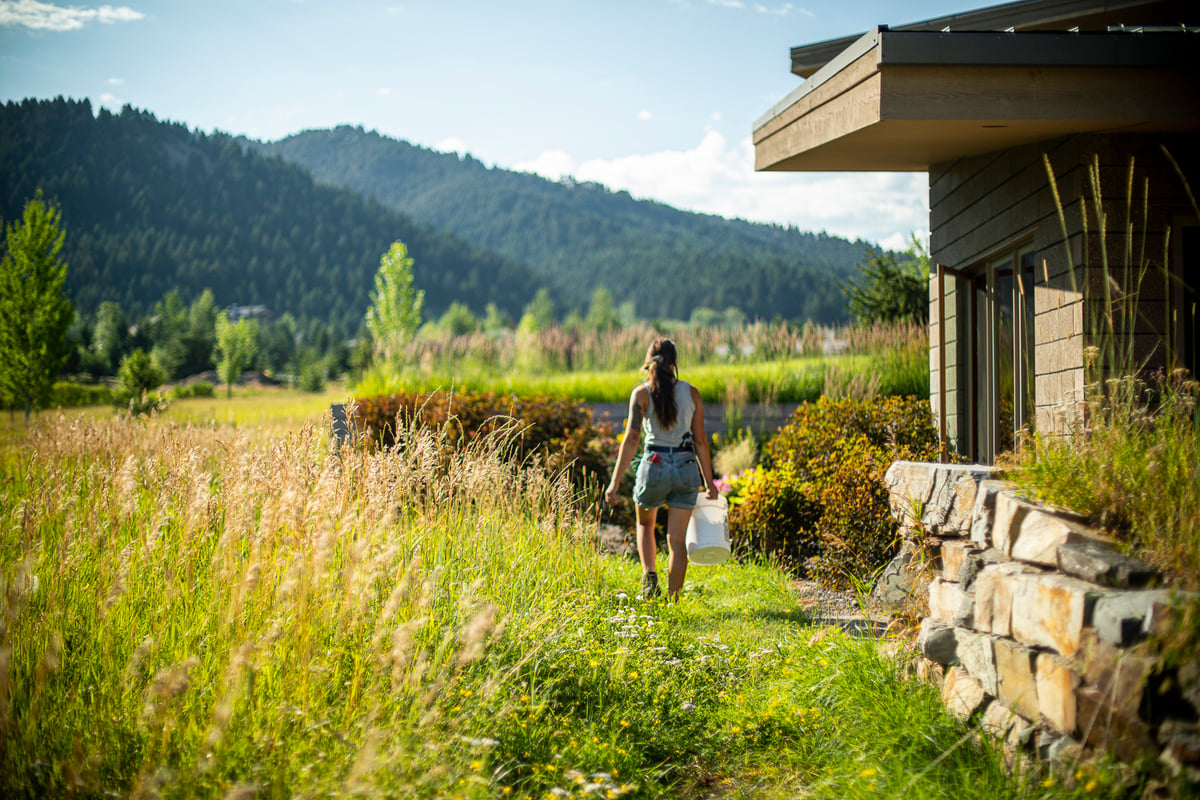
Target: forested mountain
150,206
581,235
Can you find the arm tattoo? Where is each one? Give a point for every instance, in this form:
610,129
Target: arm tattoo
635,415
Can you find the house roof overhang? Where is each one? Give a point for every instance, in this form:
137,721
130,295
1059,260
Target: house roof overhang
1018,17
906,99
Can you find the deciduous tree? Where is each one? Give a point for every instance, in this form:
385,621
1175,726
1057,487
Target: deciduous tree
237,345
34,311
395,312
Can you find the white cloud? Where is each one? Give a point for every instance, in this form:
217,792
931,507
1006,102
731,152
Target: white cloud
717,177
805,12
727,3
383,91
41,16
644,115
778,11
108,99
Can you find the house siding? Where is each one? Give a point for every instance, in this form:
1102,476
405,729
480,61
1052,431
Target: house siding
982,205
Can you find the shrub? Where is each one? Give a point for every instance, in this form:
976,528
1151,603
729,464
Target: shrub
556,431
825,509
312,378
197,389
776,519
70,395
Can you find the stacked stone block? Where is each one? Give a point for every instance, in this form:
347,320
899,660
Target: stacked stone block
1037,625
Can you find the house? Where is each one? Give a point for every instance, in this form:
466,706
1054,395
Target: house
1013,110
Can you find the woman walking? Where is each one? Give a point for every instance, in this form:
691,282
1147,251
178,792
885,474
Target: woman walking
674,466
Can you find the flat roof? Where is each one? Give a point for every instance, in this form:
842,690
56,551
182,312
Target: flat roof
906,99
1017,17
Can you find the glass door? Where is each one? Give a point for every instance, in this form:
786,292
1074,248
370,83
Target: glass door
1002,346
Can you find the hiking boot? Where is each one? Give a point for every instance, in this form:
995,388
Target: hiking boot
650,588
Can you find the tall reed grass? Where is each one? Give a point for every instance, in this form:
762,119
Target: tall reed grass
776,362
183,605
1132,462
214,612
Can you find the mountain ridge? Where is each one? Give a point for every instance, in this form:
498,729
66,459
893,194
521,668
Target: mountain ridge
583,235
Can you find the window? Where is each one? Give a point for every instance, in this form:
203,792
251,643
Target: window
1001,325
1185,297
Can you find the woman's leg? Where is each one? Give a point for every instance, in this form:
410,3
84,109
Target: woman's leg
647,547
677,522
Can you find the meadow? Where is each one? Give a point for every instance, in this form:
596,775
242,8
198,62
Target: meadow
758,362
229,606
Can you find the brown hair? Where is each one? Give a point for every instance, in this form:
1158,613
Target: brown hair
660,363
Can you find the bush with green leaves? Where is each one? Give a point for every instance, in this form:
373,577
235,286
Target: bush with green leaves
138,379
820,507
65,394
197,389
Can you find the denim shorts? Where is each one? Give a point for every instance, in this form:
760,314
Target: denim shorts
671,479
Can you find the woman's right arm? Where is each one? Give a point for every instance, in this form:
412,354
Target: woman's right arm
638,403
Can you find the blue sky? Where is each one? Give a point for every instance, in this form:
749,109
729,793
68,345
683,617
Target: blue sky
656,97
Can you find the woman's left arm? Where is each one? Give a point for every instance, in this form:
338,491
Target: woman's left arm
629,443
700,442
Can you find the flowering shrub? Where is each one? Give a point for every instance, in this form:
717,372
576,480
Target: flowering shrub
732,487
820,507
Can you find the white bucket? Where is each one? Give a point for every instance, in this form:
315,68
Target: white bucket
708,531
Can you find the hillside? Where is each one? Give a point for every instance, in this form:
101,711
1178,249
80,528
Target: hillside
149,206
581,235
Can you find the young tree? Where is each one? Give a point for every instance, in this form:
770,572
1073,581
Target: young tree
538,315
395,312
602,314
34,311
458,320
110,337
889,289
237,345
137,377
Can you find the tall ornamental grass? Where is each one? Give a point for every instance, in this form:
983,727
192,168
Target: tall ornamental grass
775,362
187,611
1132,462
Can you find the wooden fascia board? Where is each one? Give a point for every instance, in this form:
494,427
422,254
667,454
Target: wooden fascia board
842,83
837,119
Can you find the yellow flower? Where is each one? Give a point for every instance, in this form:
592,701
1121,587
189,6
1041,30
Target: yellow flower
476,765
1046,784
869,772
1091,786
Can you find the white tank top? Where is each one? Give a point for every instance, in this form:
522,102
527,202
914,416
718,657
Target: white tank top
681,430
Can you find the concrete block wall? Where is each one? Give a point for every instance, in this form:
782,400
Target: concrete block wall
1038,628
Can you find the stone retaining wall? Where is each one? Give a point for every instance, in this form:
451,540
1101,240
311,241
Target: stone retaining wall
1038,627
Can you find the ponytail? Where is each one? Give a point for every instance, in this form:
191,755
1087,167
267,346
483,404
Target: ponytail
661,366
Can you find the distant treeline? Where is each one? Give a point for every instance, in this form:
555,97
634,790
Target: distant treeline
581,236
150,207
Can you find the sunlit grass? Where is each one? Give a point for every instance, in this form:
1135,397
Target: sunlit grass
213,611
